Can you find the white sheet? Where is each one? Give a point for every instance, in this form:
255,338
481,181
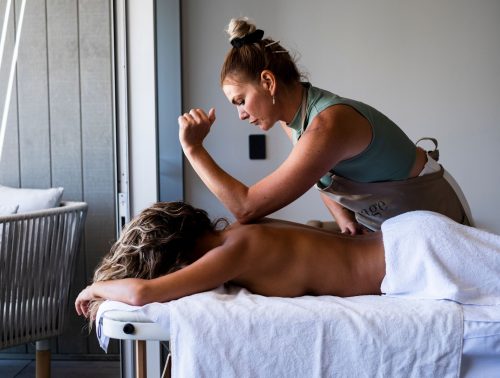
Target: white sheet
430,256
481,344
239,334
481,347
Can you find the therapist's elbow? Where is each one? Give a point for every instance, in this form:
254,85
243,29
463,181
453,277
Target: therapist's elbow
250,207
247,216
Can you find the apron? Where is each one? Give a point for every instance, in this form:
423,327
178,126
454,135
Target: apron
375,202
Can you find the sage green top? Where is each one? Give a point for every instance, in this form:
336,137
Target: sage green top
390,154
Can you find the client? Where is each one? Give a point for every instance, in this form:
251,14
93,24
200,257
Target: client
172,250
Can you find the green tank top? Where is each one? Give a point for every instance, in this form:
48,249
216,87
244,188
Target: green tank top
389,156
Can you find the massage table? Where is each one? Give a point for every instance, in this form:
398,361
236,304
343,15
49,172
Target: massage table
439,317
472,333
135,326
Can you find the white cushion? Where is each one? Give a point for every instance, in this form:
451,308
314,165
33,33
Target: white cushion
30,199
8,209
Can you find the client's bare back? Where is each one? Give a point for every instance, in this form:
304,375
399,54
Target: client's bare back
290,259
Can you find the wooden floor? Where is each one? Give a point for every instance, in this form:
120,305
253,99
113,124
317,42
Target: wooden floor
61,369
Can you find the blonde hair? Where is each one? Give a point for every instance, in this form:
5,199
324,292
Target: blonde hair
156,242
247,61
239,27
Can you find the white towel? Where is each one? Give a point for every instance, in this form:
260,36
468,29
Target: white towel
430,256
238,334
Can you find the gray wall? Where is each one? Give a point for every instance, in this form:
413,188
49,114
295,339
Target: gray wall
431,66
60,129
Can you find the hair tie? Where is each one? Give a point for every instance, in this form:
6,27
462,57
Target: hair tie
249,38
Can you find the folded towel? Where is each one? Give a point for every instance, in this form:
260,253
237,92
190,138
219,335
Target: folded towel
430,256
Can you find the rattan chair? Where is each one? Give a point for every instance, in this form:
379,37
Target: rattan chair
37,257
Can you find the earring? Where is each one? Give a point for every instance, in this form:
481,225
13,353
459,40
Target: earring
274,100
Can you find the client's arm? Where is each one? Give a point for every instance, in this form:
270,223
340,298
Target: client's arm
213,269
124,290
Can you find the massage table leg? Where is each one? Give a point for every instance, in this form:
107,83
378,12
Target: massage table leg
140,359
141,362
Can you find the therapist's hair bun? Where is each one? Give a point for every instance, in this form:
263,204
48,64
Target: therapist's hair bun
239,27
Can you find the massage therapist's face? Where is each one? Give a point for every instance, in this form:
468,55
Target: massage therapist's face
253,102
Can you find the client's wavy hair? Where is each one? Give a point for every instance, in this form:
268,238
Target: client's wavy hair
156,242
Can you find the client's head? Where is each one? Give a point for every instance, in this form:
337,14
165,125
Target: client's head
156,242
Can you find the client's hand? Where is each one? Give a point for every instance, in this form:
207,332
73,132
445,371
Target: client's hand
83,300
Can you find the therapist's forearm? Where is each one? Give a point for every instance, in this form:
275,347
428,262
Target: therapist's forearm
231,192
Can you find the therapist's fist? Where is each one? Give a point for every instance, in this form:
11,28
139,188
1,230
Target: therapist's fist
194,127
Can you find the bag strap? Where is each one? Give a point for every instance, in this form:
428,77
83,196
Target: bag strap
435,152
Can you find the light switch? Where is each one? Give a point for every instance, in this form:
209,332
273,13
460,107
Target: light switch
257,146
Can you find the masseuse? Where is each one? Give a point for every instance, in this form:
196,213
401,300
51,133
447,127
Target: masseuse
366,168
